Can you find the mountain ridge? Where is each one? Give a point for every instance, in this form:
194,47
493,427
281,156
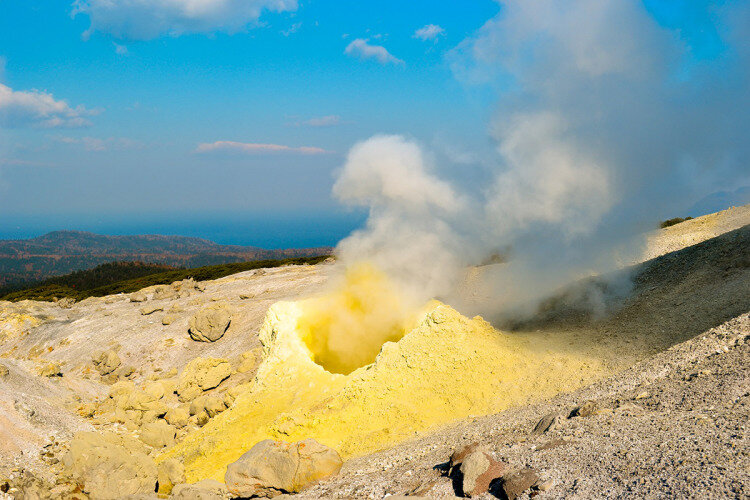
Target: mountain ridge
62,252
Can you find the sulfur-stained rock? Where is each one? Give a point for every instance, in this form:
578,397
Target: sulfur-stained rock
213,405
249,360
138,297
202,418
177,417
163,292
168,319
210,323
109,466
208,489
586,409
169,473
273,467
50,370
200,375
151,309
158,434
198,405
4,372
106,362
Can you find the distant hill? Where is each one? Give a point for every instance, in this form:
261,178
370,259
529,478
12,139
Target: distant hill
126,277
62,252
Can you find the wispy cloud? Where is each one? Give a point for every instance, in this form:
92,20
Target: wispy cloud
429,32
14,162
294,28
98,144
364,50
255,148
320,121
146,19
121,50
37,108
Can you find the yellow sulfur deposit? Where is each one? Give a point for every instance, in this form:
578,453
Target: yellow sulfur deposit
415,371
15,322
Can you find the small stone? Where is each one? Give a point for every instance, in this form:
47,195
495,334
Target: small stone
643,395
50,370
147,310
169,473
586,409
514,484
202,418
177,417
106,362
4,371
545,424
138,297
458,455
478,470
546,485
168,319
214,405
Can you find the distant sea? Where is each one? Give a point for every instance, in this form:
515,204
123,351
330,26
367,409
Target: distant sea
286,230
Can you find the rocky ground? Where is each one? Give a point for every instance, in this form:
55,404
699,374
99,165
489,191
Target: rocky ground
155,366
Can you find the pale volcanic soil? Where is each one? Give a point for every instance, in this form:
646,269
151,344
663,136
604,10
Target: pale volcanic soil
672,413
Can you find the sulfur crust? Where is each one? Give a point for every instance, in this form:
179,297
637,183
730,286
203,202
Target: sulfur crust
447,368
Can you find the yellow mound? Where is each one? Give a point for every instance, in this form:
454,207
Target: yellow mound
446,367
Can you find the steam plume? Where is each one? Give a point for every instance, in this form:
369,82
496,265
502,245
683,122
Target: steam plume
606,124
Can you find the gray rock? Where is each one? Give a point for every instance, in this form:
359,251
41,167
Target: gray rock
514,484
586,409
545,423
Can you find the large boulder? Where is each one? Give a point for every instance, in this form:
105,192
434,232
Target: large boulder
109,466
272,467
210,323
202,374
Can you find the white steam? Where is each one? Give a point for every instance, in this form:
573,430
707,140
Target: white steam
606,124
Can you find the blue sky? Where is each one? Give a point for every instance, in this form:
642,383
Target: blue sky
168,122
154,101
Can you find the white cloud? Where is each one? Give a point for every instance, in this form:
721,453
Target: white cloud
121,50
145,19
429,32
97,144
39,109
294,28
254,148
360,48
321,121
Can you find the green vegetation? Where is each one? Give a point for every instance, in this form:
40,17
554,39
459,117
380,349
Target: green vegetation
672,222
127,277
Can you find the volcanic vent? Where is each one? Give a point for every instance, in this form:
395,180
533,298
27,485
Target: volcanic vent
360,369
